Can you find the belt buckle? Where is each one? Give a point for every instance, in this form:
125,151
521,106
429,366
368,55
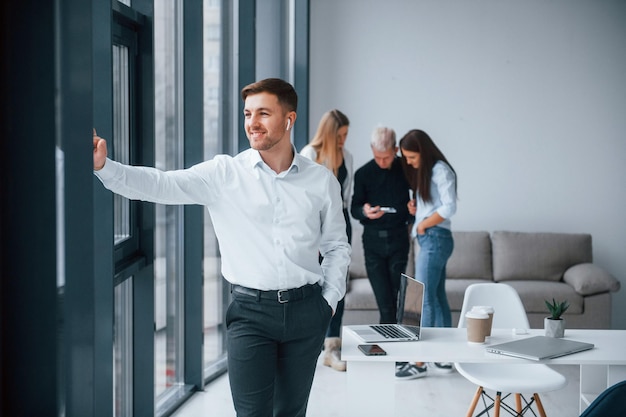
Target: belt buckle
279,293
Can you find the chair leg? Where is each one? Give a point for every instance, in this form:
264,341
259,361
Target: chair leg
496,404
542,412
470,411
518,403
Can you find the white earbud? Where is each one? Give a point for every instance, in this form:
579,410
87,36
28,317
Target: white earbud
288,124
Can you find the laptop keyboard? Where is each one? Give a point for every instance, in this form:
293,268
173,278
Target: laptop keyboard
391,332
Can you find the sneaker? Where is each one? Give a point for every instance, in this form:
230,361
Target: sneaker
411,371
400,365
445,367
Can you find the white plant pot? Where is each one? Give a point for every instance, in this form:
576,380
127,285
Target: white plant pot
554,328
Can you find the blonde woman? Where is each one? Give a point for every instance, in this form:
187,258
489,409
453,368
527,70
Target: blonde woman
327,148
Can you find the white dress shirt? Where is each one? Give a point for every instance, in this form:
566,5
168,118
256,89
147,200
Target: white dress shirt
270,227
309,152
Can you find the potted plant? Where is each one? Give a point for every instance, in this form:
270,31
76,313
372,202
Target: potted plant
554,324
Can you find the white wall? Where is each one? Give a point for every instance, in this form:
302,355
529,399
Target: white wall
527,99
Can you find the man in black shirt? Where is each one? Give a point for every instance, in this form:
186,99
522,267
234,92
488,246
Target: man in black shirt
379,202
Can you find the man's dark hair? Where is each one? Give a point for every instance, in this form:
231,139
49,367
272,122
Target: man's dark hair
287,96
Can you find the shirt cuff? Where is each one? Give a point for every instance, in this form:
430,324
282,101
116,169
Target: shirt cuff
107,171
331,302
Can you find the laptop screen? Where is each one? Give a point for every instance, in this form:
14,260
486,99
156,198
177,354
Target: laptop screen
410,301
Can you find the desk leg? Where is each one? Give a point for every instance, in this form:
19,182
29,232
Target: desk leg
616,373
596,378
371,388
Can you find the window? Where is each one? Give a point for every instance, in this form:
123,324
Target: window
121,136
168,239
214,291
123,348
125,219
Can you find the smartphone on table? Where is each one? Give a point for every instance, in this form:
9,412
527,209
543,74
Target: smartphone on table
372,350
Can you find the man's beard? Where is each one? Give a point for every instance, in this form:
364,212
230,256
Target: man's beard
264,144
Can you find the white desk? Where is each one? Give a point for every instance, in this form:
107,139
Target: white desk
600,367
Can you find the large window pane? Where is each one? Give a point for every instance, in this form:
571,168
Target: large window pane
123,349
122,221
168,267
121,135
213,283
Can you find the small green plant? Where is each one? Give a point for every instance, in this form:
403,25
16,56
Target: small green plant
557,309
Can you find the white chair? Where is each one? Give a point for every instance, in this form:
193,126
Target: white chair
505,378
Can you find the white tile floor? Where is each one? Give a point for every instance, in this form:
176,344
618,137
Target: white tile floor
436,395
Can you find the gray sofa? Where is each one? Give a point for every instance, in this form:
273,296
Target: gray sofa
539,266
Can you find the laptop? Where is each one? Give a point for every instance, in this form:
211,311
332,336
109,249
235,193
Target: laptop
539,347
410,305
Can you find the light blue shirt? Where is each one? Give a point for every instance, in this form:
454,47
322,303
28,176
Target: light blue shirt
443,197
270,227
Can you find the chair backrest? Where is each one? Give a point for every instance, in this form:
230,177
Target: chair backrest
508,313
608,404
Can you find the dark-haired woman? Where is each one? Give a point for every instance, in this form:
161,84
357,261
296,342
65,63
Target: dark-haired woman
433,181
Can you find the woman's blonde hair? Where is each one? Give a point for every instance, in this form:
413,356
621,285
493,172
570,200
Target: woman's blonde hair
325,140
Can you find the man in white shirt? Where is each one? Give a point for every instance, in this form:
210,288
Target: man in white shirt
274,213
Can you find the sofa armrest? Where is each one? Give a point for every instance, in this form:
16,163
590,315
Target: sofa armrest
587,279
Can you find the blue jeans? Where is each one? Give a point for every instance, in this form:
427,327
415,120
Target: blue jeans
436,246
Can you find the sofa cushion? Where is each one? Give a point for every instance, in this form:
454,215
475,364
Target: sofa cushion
537,256
360,296
590,279
455,290
471,257
535,293
357,259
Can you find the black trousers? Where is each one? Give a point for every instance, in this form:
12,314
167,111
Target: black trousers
386,254
272,352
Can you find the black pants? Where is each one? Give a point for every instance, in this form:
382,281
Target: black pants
272,352
386,253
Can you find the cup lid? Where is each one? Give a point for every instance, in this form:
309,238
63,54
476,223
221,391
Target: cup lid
476,315
487,309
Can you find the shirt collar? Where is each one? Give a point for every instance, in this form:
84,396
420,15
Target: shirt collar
255,160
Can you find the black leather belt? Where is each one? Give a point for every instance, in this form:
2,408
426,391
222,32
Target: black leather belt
282,296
